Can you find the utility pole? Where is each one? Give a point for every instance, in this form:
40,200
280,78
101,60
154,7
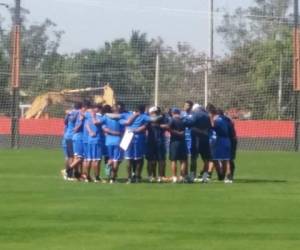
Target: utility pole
211,52
156,85
15,75
211,29
297,75
280,82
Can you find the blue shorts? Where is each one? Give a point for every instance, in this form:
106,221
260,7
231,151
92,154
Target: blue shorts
104,149
221,150
136,150
115,153
78,148
85,150
94,152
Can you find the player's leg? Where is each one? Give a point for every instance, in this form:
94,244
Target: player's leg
138,155
174,171
116,161
139,168
228,178
161,170
96,164
194,156
183,169
233,156
78,156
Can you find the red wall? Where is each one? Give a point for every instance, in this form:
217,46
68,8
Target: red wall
245,129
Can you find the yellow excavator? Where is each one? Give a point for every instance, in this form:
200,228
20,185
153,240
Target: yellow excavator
102,95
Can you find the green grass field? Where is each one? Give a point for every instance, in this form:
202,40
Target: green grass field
38,210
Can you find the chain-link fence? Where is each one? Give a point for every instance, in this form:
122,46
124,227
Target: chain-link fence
249,75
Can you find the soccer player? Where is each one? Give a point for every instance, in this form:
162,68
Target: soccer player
178,149
200,139
233,140
113,133
78,138
136,151
86,165
93,125
156,144
220,143
190,140
70,120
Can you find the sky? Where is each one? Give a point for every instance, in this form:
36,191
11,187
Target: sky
89,23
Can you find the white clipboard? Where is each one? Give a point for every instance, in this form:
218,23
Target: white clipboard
126,140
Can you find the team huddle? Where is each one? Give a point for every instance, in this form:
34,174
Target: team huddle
95,134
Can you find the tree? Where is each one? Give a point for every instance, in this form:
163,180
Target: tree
253,64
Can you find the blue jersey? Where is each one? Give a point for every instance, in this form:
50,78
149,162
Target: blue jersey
100,118
221,127
138,122
79,124
188,133
70,121
95,128
232,131
88,118
115,126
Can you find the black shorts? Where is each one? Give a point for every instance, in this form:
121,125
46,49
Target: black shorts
156,152
204,148
178,151
70,151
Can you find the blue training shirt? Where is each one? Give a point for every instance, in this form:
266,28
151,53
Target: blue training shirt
188,132
95,128
79,124
221,127
70,121
88,118
113,125
138,122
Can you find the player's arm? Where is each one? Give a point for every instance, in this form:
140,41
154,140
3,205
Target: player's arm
140,129
177,132
130,119
113,116
199,131
110,132
90,131
174,131
81,118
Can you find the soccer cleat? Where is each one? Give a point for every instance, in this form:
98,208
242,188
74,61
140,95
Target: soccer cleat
205,178
71,179
151,179
192,177
228,181
112,181
64,174
129,181
159,180
97,180
174,179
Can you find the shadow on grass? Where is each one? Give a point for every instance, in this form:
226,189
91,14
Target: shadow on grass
262,181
